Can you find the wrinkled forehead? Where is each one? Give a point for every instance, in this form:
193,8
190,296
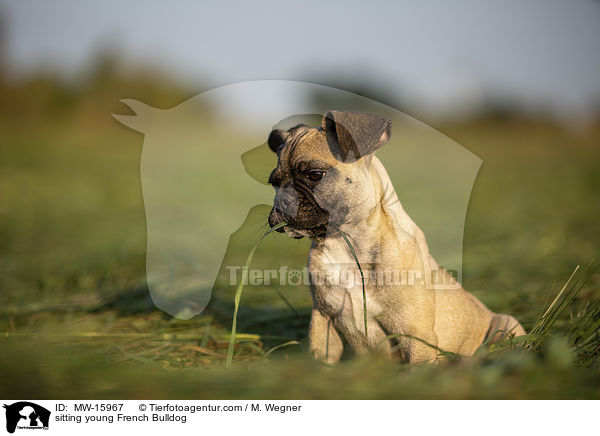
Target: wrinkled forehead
306,144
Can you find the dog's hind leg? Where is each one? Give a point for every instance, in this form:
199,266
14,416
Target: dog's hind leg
501,326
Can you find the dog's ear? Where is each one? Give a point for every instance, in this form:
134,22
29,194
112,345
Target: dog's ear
355,133
277,138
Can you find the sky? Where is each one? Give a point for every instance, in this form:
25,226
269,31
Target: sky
444,56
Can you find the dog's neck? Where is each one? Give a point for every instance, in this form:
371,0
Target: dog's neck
366,235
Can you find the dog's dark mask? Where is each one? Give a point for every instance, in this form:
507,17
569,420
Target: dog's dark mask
295,202
307,160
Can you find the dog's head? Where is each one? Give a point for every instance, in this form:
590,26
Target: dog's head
322,173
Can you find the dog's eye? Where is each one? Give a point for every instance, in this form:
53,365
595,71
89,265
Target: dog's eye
316,175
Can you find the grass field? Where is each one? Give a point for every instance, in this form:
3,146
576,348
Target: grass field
76,320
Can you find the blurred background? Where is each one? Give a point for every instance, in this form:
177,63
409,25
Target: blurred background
516,84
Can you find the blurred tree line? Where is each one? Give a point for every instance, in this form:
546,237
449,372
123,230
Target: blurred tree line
93,93
88,97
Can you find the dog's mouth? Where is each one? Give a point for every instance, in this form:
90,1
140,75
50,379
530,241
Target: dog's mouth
294,229
313,232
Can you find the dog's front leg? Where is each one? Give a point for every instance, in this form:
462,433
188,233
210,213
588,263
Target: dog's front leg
324,341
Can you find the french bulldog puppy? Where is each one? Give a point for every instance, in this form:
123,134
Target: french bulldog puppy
328,182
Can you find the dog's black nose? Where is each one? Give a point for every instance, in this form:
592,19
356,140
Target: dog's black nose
286,201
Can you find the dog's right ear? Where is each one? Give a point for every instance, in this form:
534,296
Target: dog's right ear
352,135
277,138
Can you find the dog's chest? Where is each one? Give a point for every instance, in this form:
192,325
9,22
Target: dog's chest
337,284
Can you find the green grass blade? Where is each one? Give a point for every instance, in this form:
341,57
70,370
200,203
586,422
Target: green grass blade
238,293
441,352
362,277
287,344
564,299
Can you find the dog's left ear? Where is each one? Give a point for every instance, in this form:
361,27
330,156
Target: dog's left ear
355,133
277,138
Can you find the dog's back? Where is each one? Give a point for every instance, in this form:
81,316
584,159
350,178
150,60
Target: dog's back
462,322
